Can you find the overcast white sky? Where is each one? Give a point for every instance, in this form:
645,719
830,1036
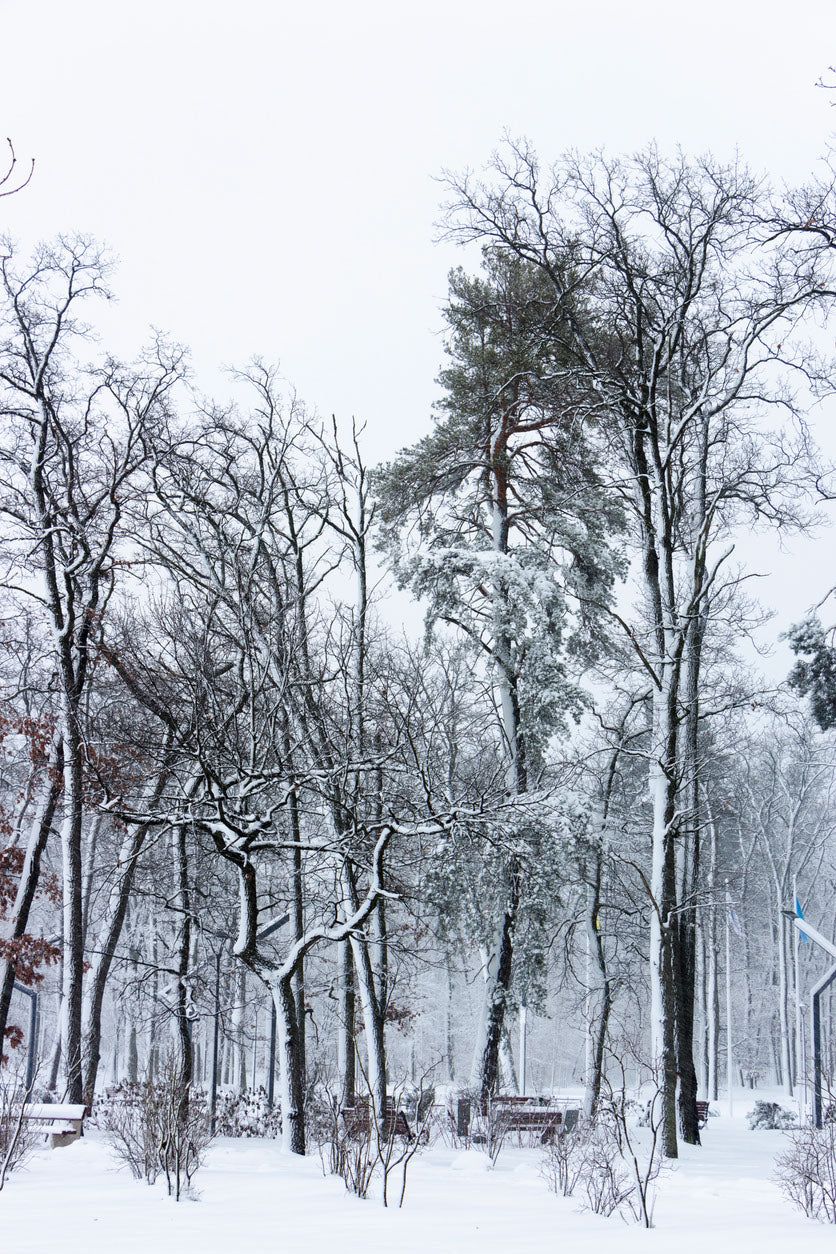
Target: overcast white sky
265,171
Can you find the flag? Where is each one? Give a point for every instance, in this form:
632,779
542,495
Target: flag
805,939
734,922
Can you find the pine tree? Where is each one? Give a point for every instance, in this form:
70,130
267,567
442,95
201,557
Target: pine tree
499,519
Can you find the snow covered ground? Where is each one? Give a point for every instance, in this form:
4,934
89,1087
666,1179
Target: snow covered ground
255,1198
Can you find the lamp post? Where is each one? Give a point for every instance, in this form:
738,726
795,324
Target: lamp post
32,994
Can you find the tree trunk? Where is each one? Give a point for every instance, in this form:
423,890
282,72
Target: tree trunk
702,1010
297,910
684,929
239,1044
600,1010
103,960
290,1071
71,849
184,952
499,972
373,1024
448,1020
783,994
347,1048
18,921
663,908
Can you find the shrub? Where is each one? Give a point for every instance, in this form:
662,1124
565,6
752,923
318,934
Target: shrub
18,1139
563,1161
604,1176
159,1127
806,1171
770,1115
247,1114
359,1143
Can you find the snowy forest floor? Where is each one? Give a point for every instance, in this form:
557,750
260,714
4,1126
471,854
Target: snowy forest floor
252,1196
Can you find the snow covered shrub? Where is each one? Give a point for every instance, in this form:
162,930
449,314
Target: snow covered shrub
130,1116
350,1147
622,1151
344,1136
159,1127
325,1127
806,1171
770,1115
612,1163
247,1114
563,1161
321,1110
603,1175
412,1114
357,1144
18,1139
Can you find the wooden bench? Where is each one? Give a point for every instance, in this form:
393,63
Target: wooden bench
702,1114
540,1117
537,1121
537,1116
61,1121
357,1121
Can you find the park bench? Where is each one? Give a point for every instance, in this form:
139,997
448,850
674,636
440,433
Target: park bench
356,1120
536,1118
536,1122
61,1121
702,1114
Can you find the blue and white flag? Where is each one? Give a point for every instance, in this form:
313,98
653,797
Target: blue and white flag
734,922
805,939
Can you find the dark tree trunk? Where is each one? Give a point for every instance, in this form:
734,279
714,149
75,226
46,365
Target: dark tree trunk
347,1025
101,971
684,937
504,974
297,910
184,1023
293,1089
71,843
38,836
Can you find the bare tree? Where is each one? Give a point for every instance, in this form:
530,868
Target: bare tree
676,305
290,763
73,449
10,182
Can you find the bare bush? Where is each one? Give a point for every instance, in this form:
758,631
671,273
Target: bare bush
396,1150
346,1143
563,1160
359,1143
604,1177
639,1147
612,1162
132,1121
159,1127
18,1139
806,1171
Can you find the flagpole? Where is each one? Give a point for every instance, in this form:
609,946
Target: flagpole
801,1091
729,1061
